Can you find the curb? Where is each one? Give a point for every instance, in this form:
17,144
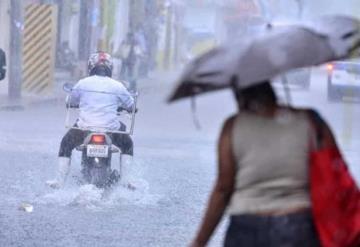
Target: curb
57,96
158,80
16,107
34,102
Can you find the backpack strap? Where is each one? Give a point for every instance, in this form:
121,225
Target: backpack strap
323,134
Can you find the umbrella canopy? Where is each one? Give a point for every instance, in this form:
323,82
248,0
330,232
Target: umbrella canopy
258,58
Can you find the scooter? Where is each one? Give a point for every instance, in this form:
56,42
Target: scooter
97,149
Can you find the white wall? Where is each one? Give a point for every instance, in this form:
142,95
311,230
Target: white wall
73,28
321,7
122,23
121,29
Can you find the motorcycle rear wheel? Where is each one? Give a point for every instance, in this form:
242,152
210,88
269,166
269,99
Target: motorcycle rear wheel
99,176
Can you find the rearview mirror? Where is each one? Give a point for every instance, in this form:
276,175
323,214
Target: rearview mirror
67,87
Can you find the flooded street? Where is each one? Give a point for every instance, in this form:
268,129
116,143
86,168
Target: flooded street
108,51
174,170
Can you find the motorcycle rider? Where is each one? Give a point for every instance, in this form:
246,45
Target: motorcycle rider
98,97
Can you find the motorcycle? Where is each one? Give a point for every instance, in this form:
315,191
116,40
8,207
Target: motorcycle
97,149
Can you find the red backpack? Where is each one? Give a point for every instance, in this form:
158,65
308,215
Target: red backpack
334,194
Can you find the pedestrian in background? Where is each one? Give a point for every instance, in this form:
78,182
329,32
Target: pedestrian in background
2,64
129,53
263,179
143,56
66,57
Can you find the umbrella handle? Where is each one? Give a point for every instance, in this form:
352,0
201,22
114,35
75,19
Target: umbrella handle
286,90
194,116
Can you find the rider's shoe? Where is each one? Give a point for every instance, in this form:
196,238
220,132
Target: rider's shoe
114,177
130,186
62,172
125,171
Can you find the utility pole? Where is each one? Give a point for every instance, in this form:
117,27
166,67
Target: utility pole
168,37
86,7
15,66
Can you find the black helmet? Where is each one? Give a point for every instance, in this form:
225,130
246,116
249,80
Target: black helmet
100,63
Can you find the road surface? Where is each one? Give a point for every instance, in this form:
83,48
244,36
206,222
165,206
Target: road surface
175,167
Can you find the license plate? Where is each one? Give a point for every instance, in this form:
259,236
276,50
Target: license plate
97,150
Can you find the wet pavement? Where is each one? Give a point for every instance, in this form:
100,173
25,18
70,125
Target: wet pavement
174,169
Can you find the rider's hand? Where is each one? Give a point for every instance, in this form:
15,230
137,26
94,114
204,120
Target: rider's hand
68,105
120,109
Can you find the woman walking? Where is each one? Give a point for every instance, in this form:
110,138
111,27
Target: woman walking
263,180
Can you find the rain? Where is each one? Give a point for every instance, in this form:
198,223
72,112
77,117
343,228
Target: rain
47,43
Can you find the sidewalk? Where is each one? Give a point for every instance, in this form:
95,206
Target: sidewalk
56,96
156,81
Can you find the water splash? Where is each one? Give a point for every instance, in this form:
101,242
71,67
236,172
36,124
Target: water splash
90,197
141,195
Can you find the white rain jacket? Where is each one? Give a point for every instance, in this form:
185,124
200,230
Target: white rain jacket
98,98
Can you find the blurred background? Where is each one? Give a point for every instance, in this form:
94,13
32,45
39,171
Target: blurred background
168,32
47,43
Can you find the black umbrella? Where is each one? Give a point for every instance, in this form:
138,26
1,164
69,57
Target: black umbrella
258,58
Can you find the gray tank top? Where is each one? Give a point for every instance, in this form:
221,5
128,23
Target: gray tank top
272,162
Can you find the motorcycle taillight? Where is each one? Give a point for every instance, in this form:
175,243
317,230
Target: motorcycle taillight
98,139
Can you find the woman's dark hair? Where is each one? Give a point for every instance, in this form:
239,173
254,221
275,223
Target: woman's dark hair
101,71
261,94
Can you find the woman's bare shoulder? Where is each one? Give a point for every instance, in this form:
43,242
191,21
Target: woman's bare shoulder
227,126
228,123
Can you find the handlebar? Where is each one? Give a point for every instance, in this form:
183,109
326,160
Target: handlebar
120,109
72,106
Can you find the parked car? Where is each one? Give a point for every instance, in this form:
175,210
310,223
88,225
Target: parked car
344,81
